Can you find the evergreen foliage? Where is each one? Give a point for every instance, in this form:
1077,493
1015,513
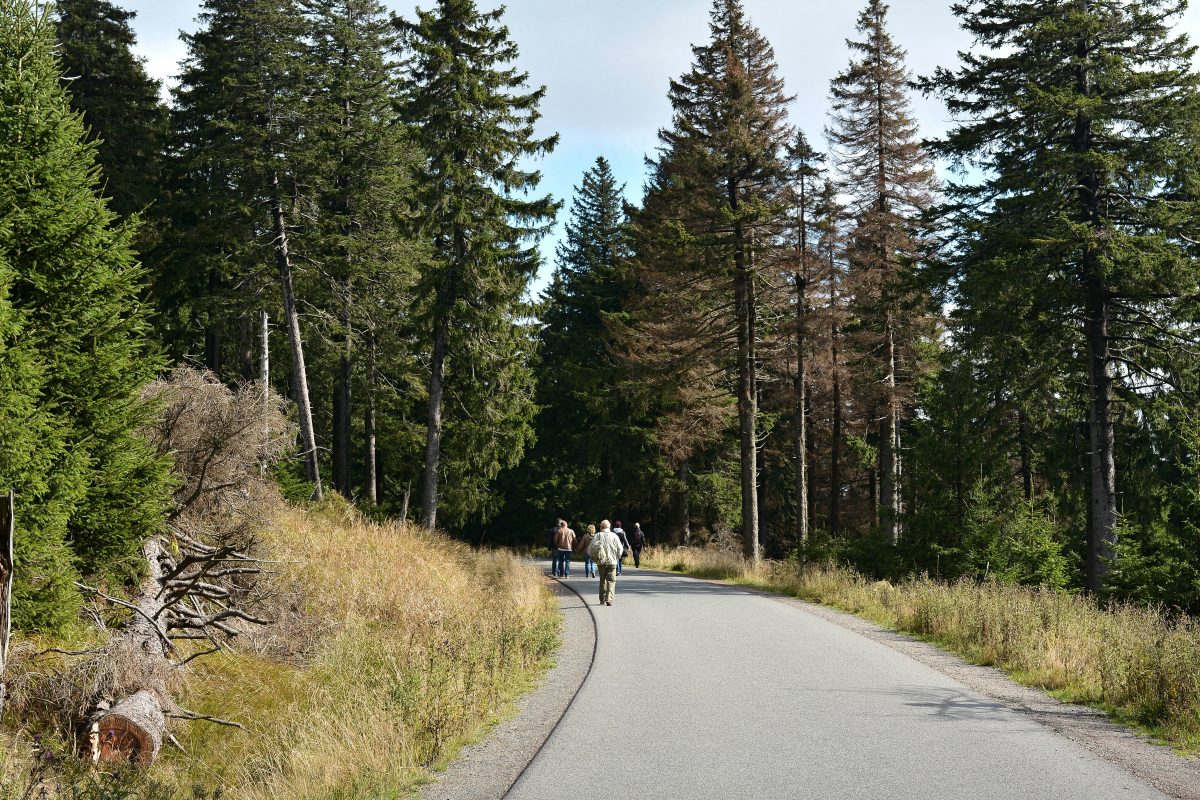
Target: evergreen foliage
1077,267
119,101
75,351
472,118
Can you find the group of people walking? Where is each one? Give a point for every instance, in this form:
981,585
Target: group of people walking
603,551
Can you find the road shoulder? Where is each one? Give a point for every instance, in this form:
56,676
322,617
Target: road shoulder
488,769
1172,774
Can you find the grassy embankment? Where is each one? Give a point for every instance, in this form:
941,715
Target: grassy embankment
393,648
1140,665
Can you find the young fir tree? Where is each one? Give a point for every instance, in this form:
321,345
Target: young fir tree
360,165
239,109
723,159
1079,238
472,118
119,101
73,353
585,447
889,178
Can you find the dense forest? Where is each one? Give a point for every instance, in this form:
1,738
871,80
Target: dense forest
975,356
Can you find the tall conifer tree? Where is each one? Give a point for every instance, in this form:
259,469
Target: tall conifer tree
238,127
473,117
360,165
723,159
73,353
1084,222
119,101
889,178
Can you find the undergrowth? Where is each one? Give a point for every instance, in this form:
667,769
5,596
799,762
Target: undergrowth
392,648
1139,664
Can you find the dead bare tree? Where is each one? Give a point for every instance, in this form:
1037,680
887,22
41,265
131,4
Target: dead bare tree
200,590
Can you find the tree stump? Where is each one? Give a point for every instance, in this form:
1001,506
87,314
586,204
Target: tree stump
132,730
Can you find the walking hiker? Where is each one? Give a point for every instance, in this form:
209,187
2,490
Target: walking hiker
620,534
606,549
637,540
589,565
564,542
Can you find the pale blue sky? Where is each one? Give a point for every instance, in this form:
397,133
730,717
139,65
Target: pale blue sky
607,64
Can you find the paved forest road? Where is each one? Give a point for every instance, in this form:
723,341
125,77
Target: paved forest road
706,691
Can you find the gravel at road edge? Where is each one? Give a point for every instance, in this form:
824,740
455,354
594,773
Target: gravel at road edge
486,770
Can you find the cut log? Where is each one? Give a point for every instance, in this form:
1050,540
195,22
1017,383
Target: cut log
132,730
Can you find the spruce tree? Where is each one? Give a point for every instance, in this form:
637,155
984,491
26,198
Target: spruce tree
585,446
359,164
119,101
807,173
73,356
238,127
724,159
473,118
1078,241
889,178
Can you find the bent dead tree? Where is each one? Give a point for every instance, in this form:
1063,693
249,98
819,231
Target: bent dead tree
7,529
201,585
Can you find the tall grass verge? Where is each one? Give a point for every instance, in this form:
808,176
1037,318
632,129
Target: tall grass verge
392,648
1141,665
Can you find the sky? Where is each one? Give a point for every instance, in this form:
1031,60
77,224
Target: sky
607,65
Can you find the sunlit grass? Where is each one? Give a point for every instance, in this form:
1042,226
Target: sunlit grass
1142,665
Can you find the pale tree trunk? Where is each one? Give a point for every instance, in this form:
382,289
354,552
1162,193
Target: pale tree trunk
433,445
7,536
264,378
1102,528
371,479
800,387
437,379
308,439
682,533
835,446
407,497
889,454
746,399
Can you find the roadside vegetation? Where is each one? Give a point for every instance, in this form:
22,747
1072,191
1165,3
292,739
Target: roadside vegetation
1140,664
392,647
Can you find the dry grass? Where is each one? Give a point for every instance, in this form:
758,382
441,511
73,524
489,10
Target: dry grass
394,647
1141,665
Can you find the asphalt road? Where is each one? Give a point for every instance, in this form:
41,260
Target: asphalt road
701,690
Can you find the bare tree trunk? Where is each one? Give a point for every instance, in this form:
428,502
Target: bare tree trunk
342,422
1102,527
433,445
889,455
308,439
746,395
1026,455
371,480
799,415
264,378
407,497
682,534
835,445
7,536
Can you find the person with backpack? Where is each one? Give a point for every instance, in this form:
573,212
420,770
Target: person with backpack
606,549
620,534
637,540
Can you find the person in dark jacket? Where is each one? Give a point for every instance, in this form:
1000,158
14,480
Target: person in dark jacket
637,540
620,532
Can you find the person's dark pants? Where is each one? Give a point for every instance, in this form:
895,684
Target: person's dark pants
637,557
562,563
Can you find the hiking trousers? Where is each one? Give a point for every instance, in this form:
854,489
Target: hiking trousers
608,581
